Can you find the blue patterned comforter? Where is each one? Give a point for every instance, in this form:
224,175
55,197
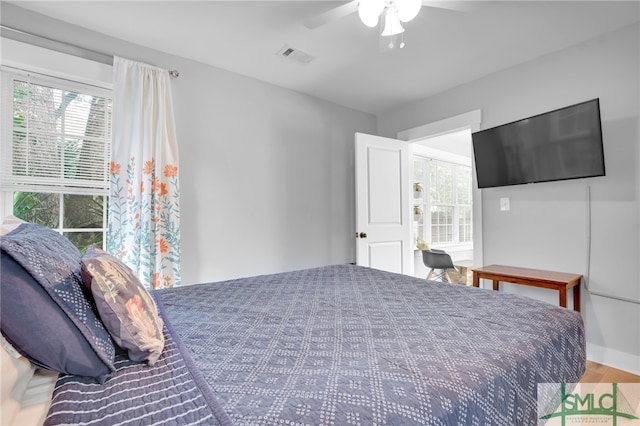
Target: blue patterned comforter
171,392
350,345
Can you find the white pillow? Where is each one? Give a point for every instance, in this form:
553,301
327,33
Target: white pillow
37,398
9,224
16,374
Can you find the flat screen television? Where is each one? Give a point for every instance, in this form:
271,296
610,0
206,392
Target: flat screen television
562,144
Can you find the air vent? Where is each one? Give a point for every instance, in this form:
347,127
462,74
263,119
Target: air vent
295,55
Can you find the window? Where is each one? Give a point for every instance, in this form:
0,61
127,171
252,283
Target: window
442,201
56,146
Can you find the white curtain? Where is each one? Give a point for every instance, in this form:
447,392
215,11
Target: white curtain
144,208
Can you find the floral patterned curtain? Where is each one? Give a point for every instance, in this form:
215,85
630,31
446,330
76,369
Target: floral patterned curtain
144,209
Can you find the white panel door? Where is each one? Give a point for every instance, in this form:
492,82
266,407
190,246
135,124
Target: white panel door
383,205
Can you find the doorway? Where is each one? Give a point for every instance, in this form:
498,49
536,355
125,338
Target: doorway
452,135
443,199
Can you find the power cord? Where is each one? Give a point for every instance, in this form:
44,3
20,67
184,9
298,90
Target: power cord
586,276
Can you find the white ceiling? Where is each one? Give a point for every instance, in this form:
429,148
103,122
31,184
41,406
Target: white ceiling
444,48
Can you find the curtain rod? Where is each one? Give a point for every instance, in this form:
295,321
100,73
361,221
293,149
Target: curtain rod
63,47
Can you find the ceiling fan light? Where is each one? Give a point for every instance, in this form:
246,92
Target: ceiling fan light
408,9
392,24
369,11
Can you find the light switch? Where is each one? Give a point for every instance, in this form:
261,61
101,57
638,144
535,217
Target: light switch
504,204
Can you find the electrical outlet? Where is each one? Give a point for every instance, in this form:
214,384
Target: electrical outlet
504,204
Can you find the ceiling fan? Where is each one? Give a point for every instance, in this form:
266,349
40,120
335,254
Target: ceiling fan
389,13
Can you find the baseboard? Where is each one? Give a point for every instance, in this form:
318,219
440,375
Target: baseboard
613,358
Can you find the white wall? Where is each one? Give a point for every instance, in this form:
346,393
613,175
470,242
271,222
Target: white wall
266,173
547,225
267,177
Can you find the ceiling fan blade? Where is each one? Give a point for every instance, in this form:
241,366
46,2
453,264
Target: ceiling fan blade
332,15
459,6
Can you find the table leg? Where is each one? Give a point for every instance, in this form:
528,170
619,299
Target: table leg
496,285
563,296
476,280
576,298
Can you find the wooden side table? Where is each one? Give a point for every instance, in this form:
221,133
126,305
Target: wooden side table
560,281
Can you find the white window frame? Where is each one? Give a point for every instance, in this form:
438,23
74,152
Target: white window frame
430,154
48,66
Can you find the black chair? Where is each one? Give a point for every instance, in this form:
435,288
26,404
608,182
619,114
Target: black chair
438,260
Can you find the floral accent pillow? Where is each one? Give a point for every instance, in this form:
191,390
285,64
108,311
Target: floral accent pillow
126,308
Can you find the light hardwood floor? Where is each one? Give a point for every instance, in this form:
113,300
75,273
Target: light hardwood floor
598,373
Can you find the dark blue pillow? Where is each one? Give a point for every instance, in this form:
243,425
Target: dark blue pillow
44,311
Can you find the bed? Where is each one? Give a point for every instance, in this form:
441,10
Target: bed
339,344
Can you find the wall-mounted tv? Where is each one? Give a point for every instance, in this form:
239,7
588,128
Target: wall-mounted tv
562,144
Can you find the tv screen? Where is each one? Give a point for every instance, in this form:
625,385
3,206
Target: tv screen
562,144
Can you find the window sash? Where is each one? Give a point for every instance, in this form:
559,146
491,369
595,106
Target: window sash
67,155
457,229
